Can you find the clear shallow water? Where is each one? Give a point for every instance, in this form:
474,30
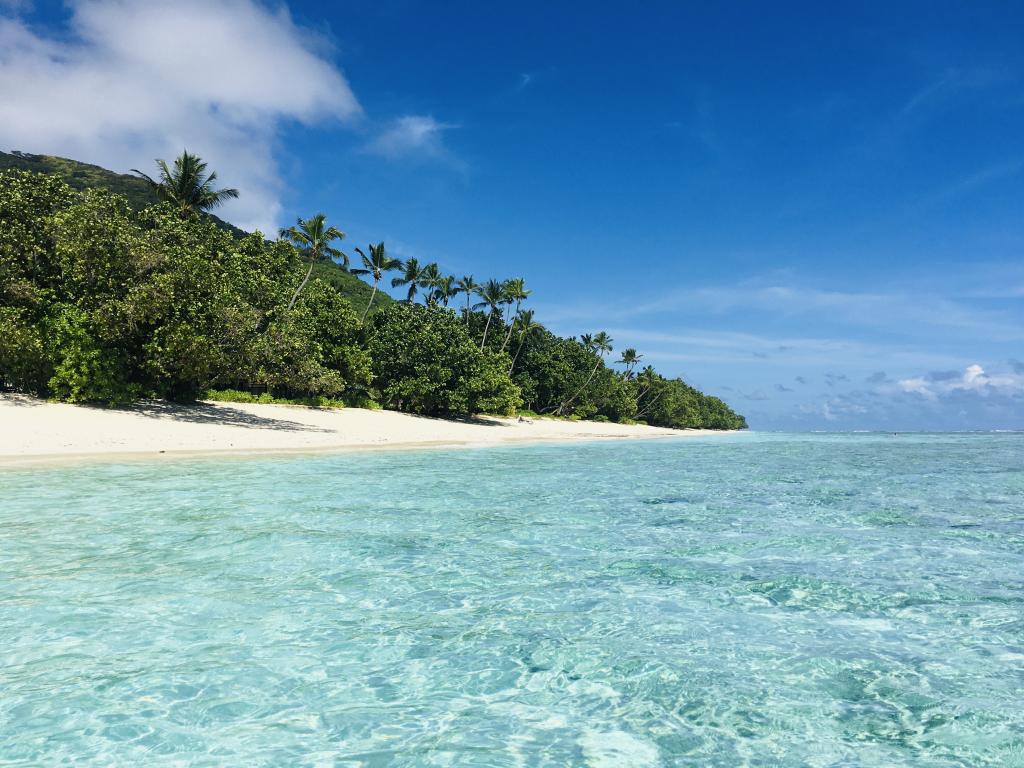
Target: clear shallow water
851,600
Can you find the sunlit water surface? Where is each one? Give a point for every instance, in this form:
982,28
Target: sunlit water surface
768,600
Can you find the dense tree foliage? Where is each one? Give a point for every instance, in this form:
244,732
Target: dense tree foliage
425,361
104,301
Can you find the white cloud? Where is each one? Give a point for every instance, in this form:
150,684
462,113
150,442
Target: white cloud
973,380
420,135
135,80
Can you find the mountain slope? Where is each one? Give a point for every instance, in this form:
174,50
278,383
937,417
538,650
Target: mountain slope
139,195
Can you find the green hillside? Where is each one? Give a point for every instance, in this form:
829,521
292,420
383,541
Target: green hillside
139,195
82,175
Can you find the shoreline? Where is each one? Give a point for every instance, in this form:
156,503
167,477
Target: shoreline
37,433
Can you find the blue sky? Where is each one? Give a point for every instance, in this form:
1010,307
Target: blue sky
815,212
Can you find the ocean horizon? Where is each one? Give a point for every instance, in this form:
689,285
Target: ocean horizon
746,599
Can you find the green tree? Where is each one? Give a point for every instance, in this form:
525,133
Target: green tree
526,328
468,286
430,278
600,344
412,275
424,361
376,264
492,294
630,359
312,237
187,186
444,290
515,292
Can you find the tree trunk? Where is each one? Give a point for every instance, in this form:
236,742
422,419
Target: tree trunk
301,285
511,325
370,302
581,389
648,407
514,359
486,327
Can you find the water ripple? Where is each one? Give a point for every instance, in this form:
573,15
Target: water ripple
739,601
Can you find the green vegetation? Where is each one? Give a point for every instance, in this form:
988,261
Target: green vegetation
105,301
187,186
238,396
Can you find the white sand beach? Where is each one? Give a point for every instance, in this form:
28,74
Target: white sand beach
33,430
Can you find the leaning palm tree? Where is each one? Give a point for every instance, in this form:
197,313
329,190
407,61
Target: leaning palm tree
412,275
526,328
493,294
515,291
647,378
630,359
468,286
600,344
376,264
313,238
187,186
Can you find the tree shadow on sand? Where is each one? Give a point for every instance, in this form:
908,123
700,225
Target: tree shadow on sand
202,413
478,421
15,398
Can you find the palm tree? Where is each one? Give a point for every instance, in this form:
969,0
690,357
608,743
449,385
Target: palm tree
412,275
646,378
444,290
515,290
600,344
187,186
429,278
527,328
468,286
376,264
630,359
493,294
313,237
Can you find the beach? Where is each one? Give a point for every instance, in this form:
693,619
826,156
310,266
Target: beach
33,430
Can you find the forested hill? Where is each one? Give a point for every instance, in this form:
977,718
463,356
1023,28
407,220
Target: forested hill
139,194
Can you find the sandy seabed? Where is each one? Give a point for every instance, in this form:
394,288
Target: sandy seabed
36,431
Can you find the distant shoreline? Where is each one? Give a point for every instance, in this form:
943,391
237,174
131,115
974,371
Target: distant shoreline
38,433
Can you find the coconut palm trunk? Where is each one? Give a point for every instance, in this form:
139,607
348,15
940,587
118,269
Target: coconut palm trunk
648,406
486,327
511,327
295,296
514,359
370,302
581,390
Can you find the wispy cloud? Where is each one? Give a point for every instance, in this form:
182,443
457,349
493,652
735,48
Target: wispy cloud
738,347
971,183
411,136
130,81
904,311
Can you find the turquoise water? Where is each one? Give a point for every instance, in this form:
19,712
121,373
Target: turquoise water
815,600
